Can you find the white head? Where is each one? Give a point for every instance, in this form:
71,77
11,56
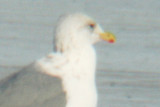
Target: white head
75,31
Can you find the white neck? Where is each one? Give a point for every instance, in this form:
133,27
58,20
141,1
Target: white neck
79,83
76,68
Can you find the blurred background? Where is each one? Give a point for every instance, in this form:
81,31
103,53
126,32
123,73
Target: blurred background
27,30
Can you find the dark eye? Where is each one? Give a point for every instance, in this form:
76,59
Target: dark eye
92,26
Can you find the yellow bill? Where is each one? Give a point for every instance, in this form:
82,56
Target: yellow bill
107,36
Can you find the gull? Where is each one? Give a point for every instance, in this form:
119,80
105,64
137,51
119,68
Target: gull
64,77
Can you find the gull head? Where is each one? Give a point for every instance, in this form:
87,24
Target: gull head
75,31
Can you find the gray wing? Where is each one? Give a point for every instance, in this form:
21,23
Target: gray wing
31,88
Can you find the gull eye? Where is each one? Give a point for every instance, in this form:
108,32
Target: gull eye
92,26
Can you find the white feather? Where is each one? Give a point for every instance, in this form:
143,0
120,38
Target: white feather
74,60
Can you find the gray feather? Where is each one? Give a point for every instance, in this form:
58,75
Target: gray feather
31,88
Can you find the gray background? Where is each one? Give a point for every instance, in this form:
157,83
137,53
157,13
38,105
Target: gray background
128,71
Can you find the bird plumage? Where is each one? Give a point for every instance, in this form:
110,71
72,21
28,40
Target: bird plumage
73,62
